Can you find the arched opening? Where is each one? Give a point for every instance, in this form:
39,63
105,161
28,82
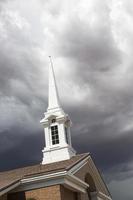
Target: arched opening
91,191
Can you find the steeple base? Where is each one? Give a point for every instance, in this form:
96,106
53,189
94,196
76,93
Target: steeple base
57,154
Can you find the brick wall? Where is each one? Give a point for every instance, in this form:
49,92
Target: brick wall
3,197
67,194
48,193
57,192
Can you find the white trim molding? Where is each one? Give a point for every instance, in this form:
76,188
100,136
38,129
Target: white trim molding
43,177
76,183
78,166
9,188
104,195
60,178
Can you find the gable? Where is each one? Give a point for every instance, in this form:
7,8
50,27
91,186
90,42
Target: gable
90,174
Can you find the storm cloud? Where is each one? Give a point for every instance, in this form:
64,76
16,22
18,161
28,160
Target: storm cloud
91,45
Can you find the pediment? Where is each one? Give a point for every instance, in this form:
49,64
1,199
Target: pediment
51,117
88,172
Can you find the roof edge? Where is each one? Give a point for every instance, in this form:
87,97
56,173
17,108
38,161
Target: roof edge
86,156
9,187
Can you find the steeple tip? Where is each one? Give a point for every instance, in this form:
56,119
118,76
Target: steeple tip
53,97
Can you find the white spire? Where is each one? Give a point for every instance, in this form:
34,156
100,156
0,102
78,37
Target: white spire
56,125
53,97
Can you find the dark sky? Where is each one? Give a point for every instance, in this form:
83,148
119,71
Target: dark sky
91,42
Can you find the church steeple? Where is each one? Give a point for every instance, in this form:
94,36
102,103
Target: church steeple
56,126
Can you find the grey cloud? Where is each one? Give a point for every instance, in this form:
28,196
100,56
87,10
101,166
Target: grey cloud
99,120
2,4
125,186
98,139
92,46
92,49
19,65
22,76
19,154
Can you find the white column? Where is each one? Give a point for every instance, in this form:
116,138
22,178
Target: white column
61,134
47,137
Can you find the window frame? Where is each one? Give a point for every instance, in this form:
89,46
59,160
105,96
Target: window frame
54,135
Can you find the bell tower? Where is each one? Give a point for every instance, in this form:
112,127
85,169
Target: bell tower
56,125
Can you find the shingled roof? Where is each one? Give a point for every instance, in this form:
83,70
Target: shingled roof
8,178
